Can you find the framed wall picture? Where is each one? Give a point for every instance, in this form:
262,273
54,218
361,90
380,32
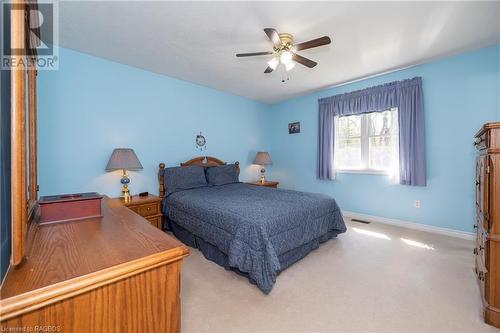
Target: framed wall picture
294,128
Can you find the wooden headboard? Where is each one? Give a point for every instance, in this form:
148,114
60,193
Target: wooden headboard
204,161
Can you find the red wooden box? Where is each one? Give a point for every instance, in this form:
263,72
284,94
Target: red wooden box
69,207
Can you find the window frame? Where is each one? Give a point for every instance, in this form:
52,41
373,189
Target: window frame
364,144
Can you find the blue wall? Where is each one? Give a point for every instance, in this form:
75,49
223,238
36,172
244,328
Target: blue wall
91,105
5,211
460,94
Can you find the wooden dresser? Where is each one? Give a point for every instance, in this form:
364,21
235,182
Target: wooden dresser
117,273
148,207
487,250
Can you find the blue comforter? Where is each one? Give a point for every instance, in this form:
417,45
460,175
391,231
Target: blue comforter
253,225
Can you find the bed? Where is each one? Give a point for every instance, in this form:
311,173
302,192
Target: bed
254,230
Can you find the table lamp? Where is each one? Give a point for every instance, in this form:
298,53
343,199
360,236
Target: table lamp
262,158
124,159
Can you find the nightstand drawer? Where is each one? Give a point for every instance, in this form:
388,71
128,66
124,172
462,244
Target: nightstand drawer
156,221
148,209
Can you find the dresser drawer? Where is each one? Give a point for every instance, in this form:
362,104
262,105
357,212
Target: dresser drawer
148,209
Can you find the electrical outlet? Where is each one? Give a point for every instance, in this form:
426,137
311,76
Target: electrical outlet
416,203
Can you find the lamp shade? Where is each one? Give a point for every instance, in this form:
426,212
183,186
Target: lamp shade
262,158
123,158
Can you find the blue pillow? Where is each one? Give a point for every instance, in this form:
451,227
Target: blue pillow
184,178
222,174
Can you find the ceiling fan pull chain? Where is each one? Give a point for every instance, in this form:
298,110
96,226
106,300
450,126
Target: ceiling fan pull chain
285,75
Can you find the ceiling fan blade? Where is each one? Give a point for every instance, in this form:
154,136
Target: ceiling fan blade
273,36
253,54
269,69
325,40
304,61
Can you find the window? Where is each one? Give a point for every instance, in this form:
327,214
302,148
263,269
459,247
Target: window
367,143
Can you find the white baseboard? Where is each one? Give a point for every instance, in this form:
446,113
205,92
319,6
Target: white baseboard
410,225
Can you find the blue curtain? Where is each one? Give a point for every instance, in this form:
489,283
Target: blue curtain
407,96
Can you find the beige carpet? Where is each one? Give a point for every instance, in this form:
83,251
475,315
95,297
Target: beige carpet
368,279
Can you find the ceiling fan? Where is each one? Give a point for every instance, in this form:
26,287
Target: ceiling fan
284,50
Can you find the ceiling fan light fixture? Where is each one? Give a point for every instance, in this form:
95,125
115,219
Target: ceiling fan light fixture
285,49
273,63
289,66
286,57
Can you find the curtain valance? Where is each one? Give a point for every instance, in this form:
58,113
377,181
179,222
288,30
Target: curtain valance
378,98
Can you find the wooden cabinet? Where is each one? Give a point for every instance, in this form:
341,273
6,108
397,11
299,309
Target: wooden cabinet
114,273
148,207
487,250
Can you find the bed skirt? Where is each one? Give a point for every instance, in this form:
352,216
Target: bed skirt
212,253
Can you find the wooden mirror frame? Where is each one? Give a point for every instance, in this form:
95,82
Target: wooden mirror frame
23,168
204,161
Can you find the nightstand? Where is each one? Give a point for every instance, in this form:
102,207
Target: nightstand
147,207
265,184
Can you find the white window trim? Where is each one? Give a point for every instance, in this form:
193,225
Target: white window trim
363,171
364,152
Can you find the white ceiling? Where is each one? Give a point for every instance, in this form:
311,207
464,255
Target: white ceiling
197,41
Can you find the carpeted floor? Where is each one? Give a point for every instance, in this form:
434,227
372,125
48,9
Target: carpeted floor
375,277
